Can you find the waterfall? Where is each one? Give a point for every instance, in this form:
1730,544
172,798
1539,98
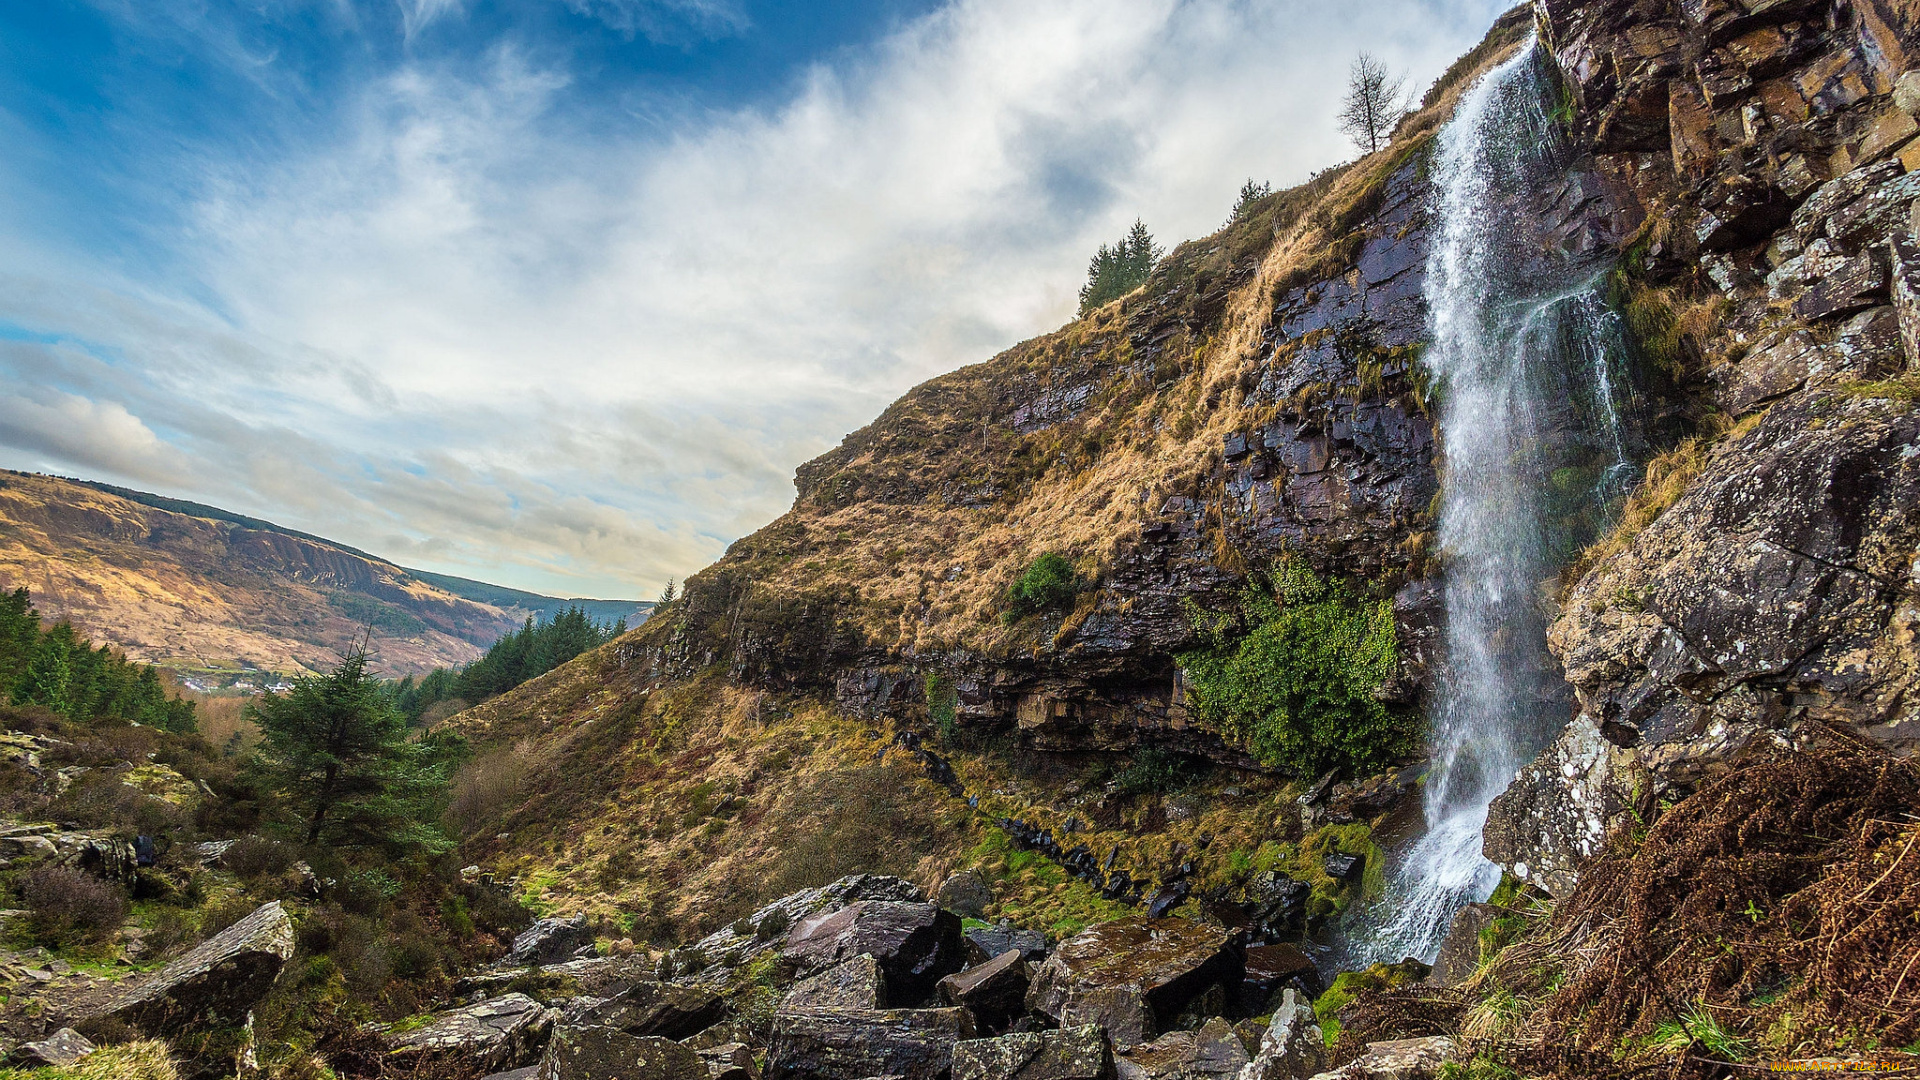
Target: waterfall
1529,360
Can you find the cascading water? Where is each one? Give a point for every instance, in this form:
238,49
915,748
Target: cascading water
1528,357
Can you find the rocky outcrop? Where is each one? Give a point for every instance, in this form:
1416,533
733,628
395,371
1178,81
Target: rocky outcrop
768,928
507,1032
213,987
855,983
1778,592
1212,1051
668,1010
1400,1059
57,1051
1135,976
548,941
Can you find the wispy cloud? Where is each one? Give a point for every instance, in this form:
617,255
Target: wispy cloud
484,327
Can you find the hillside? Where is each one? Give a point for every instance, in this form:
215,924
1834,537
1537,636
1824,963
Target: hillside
198,589
1689,559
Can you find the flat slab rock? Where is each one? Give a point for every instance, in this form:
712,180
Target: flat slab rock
1401,1059
599,1053
214,986
1134,976
833,1044
766,928
650,1007
60,1049
505,1033
1080,1053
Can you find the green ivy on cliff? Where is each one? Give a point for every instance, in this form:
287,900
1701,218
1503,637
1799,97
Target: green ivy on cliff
1292,676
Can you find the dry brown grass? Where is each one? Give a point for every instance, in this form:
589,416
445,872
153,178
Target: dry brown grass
1668,477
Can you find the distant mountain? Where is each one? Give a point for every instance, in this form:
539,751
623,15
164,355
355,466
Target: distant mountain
200,589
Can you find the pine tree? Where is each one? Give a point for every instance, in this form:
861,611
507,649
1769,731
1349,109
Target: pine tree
1250,193
48,680
1119,269
339,752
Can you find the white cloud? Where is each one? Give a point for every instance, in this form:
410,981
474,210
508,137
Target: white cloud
101,435
531,348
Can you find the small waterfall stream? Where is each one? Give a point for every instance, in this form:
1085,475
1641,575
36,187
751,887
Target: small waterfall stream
1530,361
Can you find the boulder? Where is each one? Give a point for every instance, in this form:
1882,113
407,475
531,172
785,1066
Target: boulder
984,944
548,941
966,894
833,1044
766,929
1401,1059
1344,867
1905,255
1460,949
58,1050
528,1073
213,987
505,1033
856,983
1079,1053
916,944
600,1053
1214,1051
650,1007
1274,968
1293,1045
1134,976
995,991
730,1061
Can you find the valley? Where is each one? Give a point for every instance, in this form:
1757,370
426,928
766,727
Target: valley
1455,622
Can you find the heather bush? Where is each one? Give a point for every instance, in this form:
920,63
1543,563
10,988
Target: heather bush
70,906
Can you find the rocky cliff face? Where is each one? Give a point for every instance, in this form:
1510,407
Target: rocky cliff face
1768,143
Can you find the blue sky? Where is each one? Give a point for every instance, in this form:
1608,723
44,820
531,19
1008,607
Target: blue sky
557,293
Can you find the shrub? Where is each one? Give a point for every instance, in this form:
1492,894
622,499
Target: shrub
1049,581
1294,676
69,905
252,857
485,788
